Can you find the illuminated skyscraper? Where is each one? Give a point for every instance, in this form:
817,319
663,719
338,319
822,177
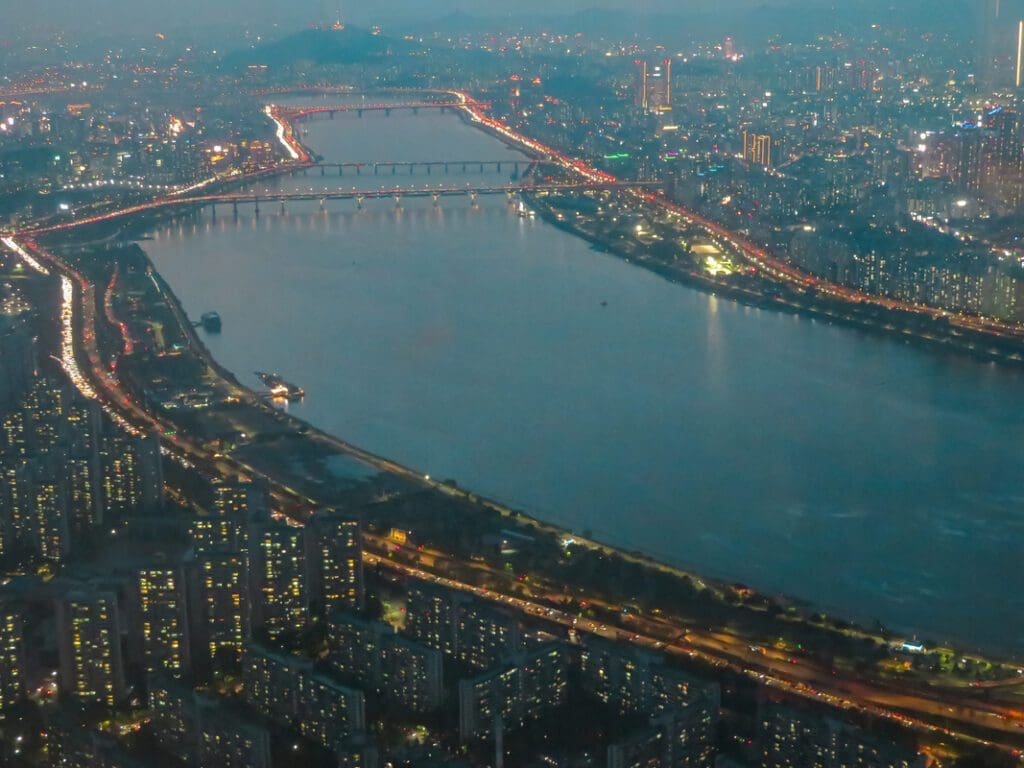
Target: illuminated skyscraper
640,84
132,475
219,607
12,659
278,561
652,85
89,647
335,562
373,656
159,634
1019,70
522,690
757,149
288,690
228,740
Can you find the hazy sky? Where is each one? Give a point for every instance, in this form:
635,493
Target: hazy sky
117,15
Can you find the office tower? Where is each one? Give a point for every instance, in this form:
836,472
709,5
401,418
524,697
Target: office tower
229,739
757,149
89,646
219,608
524,689
1018,79
792,738
159,640
335,562
640,84
278,563
372,655
12,656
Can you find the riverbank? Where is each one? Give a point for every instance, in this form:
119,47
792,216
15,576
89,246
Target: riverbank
914,328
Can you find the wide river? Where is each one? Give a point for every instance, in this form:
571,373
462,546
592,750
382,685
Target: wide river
872,478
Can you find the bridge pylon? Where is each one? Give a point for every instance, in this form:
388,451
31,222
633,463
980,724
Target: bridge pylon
436,198
359,202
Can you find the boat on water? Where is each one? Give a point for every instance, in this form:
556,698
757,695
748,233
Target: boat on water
279,389
211,322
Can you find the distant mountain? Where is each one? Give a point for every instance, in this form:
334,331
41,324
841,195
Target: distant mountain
753,22
318,47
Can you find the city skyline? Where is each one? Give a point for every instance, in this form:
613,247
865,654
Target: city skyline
618,385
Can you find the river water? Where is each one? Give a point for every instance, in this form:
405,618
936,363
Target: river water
869,477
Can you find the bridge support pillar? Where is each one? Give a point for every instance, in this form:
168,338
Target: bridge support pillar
398,201
430,169
323,204
446,168
472,198
359,112
387,113
213,211
323,170
234,209
499,166
437,199
283,209
359,202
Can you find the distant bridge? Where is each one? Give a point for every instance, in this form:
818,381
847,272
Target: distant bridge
410,167
397,193
293,112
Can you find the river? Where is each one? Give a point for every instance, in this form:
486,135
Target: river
872,478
